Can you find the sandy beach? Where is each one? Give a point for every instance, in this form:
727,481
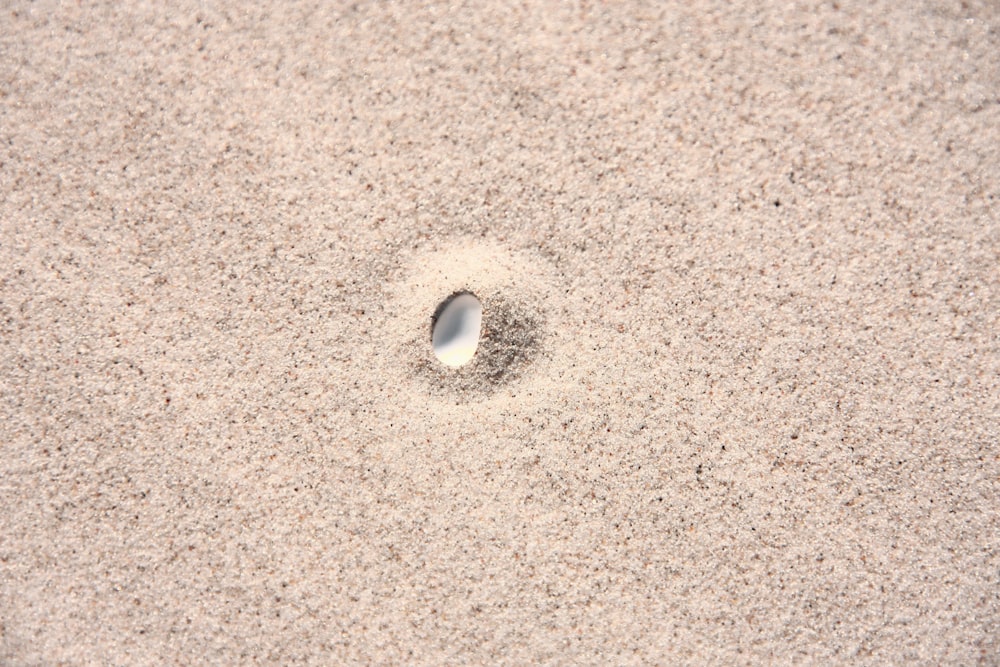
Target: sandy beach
736,398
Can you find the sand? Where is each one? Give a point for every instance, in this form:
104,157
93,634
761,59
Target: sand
738,395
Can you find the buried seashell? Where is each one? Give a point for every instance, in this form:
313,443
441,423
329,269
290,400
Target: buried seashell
456,328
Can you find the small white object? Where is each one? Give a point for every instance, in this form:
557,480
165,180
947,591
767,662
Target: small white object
456,331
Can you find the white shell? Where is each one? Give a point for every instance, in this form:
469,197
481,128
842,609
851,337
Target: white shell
456,332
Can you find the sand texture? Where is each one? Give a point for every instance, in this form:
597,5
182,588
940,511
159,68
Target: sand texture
737,399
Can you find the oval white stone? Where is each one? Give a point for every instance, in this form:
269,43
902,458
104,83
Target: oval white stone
456,332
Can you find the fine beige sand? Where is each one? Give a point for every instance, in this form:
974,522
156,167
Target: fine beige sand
737,399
